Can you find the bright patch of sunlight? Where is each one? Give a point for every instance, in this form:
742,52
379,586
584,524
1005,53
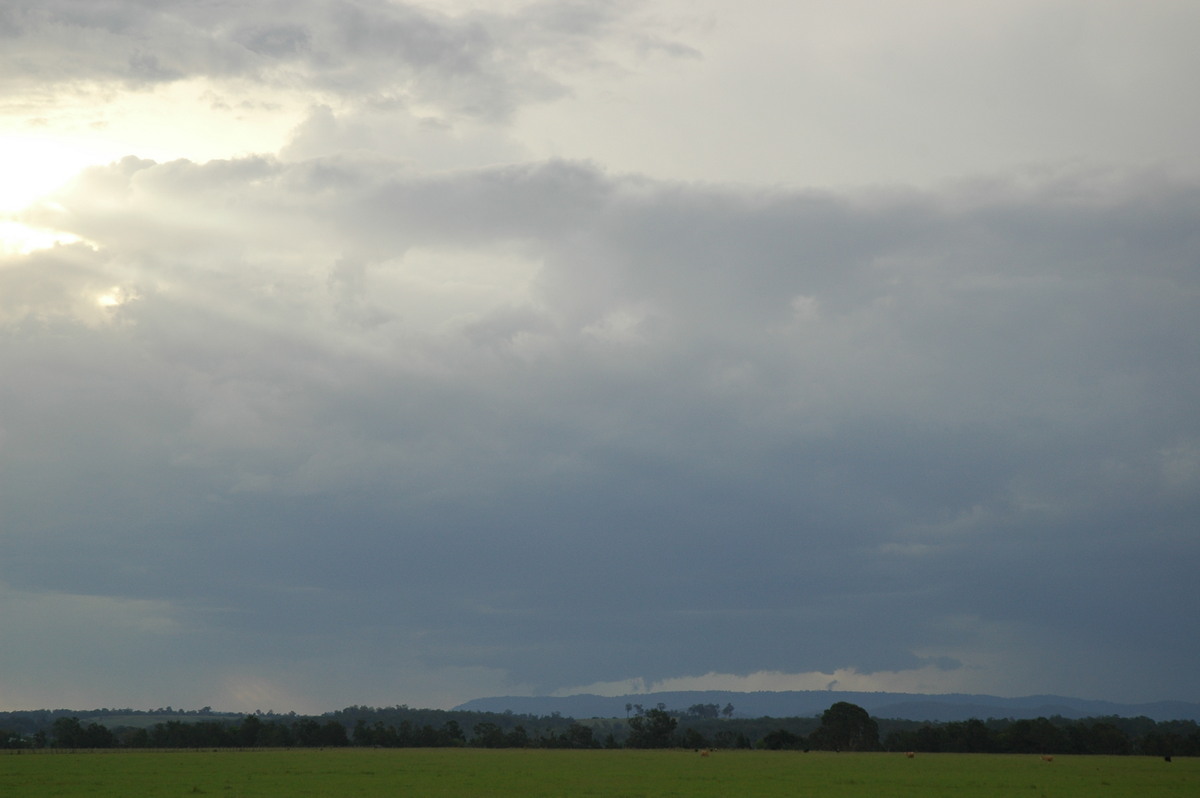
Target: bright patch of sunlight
31,167
115,297
19,239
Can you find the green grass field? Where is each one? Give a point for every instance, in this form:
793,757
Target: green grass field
430,773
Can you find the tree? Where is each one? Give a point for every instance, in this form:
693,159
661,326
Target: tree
307,732
488,735
248,733
579,736
67,733
1033,736
452,734
651,730
727,738
70,733
333,734
781,739
1098,738
846,727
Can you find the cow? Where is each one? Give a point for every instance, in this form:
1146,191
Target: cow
1046,758
910,754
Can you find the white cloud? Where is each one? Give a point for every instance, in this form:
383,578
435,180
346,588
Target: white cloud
929,679
873,93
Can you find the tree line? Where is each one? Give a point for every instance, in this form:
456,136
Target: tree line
847,727
842,727
1106,735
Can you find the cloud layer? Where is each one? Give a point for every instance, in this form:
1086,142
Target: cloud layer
335,424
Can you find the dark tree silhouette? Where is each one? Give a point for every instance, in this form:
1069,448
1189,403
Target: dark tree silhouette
846,727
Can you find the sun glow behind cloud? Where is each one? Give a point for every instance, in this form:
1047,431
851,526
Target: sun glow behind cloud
30,168
33,166
20,239
195,120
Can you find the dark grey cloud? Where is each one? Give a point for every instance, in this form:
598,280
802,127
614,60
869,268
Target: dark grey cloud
542,425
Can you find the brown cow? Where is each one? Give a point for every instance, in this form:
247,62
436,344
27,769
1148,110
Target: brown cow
910,754
1046,758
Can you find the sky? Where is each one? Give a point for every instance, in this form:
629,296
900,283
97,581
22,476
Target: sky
373,352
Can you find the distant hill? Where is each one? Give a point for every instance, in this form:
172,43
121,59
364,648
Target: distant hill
804,703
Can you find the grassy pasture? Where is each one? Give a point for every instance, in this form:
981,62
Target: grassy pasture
479,773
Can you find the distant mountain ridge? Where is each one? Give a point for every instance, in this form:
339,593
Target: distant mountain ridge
802,703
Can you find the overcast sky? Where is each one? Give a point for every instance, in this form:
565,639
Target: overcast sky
372,352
